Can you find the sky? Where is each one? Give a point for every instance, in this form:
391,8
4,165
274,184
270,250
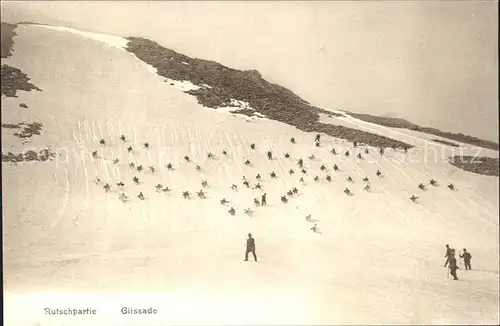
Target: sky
434,63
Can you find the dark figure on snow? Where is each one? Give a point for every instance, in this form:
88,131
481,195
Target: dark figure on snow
379,173
248,211
355,144
146,145
433,182
224,153
467,257
453,265
116,161
136,180
170,167
359,156
252,146
300,163
129,149
367,188
166,189
347,153
349,179
316,178
323,167
204,184
447,255
263,200
292,140
333,151
258,177
234,187
247,162
317,144
269,155
102,142
123,197
107,187
94,154
223,201
201,194
232,211
303,171
290,193
272,174
421,186
381,151
258,186
120,184
198,168
287,155
122,137
256,202
406,150
314,228
250,247
186,194
317,138
158,187
451,186
328,178
246,184
347,192
367,151
186,158
210,156
301,180
308,218
295,190
132,165
365,179
311,157
141,196
152,169
413,198
139,168
291,171
335,167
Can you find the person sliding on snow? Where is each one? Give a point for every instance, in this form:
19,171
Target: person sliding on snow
467,257
250,247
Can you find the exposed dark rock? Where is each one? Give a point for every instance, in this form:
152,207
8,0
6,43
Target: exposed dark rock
446,142
29,130
479,165
7,39
271,100
29,156
13,79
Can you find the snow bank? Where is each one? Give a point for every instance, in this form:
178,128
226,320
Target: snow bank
113,41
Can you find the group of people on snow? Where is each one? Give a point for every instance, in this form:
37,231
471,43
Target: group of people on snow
451,261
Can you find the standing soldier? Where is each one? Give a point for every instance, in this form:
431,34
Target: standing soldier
453,265
250,247
467,257
263,200
447,255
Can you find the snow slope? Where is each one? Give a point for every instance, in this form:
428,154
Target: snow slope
377,259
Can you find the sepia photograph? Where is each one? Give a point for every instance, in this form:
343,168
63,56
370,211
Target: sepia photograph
250,163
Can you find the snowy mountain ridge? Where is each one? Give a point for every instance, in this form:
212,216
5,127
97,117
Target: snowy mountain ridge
377,256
